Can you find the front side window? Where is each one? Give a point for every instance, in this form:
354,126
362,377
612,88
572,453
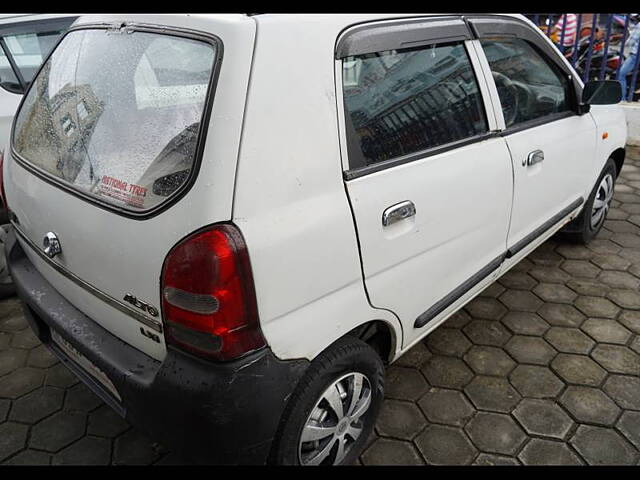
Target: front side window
117,115
529,86
400,102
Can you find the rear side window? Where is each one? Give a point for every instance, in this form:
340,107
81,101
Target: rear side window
529,86
400,102
117,115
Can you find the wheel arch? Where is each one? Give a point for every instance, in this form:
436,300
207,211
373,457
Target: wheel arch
618,156
379,335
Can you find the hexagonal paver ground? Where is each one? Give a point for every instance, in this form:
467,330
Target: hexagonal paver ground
590,405
400,419
578,369
543,417
450,407
495,433
492,393
444,445
547,452
391,452
533,381
603,446
543,367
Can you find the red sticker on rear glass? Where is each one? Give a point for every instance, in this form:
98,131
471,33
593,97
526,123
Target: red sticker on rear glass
129,193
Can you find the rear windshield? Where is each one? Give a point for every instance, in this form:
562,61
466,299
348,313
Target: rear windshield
117,114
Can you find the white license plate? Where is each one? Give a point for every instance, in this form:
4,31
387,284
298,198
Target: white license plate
86,364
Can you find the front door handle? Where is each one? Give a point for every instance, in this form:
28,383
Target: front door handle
397,212
534,157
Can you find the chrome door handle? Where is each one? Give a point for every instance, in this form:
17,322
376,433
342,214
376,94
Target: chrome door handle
534,157
397,212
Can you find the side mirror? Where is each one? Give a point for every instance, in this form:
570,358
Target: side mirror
602,92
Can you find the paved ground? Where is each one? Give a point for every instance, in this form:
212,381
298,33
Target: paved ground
543,367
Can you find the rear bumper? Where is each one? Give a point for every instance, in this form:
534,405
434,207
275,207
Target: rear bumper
208,412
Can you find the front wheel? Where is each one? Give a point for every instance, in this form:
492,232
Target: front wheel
587,225
334,408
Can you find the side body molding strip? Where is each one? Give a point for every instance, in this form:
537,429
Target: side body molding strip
442,304
515,248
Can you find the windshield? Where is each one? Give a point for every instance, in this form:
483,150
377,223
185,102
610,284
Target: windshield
117,114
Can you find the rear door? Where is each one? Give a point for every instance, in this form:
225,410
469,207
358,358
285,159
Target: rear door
117,151
552,146
429,183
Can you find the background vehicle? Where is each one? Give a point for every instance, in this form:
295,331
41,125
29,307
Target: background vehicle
227,250
25,41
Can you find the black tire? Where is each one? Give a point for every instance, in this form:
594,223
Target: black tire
7,288
4,215
345,356
7,291
580,229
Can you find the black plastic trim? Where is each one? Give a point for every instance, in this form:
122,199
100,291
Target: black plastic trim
380,37
394,162
204,124
518,246
536,122
441,305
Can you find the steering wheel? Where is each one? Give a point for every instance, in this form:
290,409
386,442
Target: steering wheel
508,94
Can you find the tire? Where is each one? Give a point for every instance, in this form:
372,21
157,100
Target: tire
7,288
338,367
586,226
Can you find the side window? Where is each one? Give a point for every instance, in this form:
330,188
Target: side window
8,79
400,102
529,86
30,49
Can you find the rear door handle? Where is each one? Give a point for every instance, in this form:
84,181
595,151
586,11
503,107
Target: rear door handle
534,157
398,212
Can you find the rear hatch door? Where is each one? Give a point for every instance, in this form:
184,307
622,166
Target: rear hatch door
126,142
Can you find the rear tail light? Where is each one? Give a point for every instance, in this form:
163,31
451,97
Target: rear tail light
208,295
3,196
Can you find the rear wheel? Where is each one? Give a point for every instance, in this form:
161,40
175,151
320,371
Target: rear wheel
587,225
333,410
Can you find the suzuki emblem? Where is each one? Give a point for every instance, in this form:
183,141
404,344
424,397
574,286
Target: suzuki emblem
51,245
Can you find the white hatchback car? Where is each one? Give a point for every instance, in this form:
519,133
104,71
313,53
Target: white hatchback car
226,225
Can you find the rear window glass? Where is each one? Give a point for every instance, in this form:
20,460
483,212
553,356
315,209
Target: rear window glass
117,115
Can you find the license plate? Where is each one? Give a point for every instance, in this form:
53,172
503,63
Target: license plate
86,364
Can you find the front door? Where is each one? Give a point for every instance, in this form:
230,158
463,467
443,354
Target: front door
551,146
